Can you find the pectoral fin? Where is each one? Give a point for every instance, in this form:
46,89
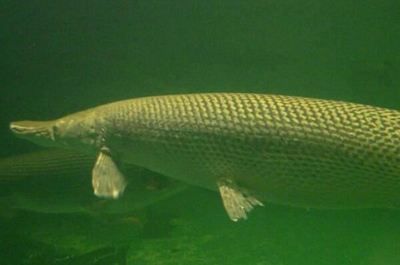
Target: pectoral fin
237,202
107,179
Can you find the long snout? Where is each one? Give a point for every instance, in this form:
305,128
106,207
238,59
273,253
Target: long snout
26,127
29,127
33,130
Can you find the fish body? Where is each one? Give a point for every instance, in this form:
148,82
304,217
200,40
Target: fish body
55,181
253,148
50,163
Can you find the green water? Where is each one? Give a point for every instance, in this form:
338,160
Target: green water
57,57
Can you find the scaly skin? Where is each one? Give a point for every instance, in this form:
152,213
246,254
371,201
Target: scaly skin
286,150
56,181
48,163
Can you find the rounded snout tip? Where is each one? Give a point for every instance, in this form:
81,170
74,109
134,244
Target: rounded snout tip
17,127
28,127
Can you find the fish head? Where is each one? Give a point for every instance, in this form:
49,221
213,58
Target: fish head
77,132
39,132
72,132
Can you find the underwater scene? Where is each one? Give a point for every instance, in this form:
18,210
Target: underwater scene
243,132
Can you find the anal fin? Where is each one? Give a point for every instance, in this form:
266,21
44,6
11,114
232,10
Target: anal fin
236,201
107,179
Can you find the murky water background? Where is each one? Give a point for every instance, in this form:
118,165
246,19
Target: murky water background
63,56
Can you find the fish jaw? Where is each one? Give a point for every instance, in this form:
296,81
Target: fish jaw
39,132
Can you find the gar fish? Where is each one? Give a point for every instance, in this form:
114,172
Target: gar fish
55,181
252,148
50,163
